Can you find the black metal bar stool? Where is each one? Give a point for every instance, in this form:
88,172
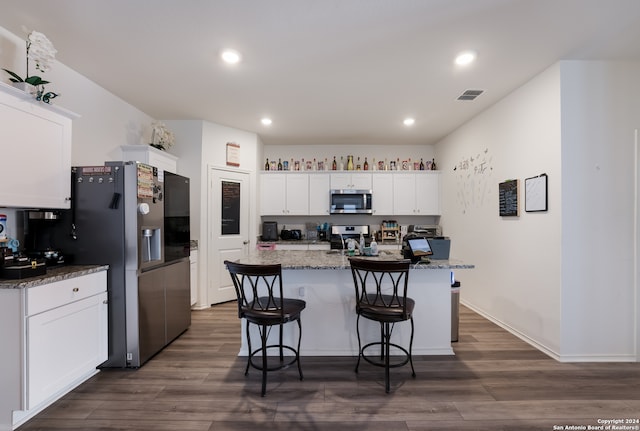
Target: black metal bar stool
260,301
381,296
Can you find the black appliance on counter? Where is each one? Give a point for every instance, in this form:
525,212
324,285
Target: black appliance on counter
340,234
40,241
291,235
269,231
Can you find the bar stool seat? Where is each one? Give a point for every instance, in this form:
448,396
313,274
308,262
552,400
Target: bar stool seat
381,296
260,301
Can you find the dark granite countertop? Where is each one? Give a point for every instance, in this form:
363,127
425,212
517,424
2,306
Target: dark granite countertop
53,274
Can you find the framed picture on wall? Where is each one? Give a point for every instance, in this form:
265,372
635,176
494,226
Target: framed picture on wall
535,193
509,198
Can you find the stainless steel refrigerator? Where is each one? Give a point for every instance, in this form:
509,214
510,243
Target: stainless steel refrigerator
117,217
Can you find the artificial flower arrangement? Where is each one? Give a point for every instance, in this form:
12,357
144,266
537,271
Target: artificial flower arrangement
40,50
161,137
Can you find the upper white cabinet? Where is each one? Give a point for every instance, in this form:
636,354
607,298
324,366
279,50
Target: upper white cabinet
393,193
319,185
150,156
416,193
36,151
347,180
382,193
284,194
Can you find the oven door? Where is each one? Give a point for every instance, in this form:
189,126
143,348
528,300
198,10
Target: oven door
346,201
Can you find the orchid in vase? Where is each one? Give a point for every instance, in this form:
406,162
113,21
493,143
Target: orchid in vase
40,51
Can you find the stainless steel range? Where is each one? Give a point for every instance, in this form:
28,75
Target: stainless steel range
340,234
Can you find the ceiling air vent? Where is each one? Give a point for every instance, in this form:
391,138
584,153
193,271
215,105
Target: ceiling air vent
470,94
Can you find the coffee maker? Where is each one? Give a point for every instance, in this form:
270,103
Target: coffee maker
41,229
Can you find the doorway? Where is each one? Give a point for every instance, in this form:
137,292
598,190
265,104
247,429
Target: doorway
228,228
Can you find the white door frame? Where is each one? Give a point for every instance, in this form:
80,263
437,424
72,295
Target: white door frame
232,246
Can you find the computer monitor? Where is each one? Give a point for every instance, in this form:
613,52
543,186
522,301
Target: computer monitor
420,247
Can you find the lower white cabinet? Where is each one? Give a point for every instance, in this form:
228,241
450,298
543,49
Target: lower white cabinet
304,246
63,344
60,335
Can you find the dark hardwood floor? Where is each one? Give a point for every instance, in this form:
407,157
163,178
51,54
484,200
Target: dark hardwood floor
494,382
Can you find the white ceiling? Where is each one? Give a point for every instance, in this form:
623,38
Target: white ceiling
326,71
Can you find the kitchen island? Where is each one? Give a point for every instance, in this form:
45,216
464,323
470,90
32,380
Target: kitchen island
323,279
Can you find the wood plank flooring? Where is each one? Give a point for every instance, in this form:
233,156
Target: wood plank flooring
494,382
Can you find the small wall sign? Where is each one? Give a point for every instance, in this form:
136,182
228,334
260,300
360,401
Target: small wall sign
233,154
508,198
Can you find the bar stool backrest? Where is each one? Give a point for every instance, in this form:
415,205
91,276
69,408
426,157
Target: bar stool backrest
381,284
258,288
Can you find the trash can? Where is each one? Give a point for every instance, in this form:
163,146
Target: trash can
455,310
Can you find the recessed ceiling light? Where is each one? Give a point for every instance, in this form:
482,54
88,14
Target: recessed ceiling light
409,121
230,56
266,121
465,58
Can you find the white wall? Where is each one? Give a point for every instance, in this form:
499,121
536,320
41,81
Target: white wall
600,111
201,146
562,279
517,276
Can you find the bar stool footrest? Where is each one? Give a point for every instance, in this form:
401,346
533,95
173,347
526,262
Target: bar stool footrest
378,360
281,365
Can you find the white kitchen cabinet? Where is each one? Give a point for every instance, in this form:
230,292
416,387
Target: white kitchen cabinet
36,145
61,335
292,247
284,194
303,246
416,193
193,271
320,246
319,185
382,194
348,180
150,156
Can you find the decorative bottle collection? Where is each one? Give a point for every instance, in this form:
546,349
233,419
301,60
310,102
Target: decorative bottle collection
350,165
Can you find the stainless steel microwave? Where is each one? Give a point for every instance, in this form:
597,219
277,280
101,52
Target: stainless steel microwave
350,201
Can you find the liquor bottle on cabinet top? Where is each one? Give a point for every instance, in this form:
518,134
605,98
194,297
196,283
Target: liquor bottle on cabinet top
349,163
341,163
266,165
279,164
326,164
358,165
366,164
374,166
433,164
334,165
421,165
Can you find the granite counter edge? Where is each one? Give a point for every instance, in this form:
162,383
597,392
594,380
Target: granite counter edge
53,275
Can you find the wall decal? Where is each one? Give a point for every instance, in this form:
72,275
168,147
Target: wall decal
473,175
